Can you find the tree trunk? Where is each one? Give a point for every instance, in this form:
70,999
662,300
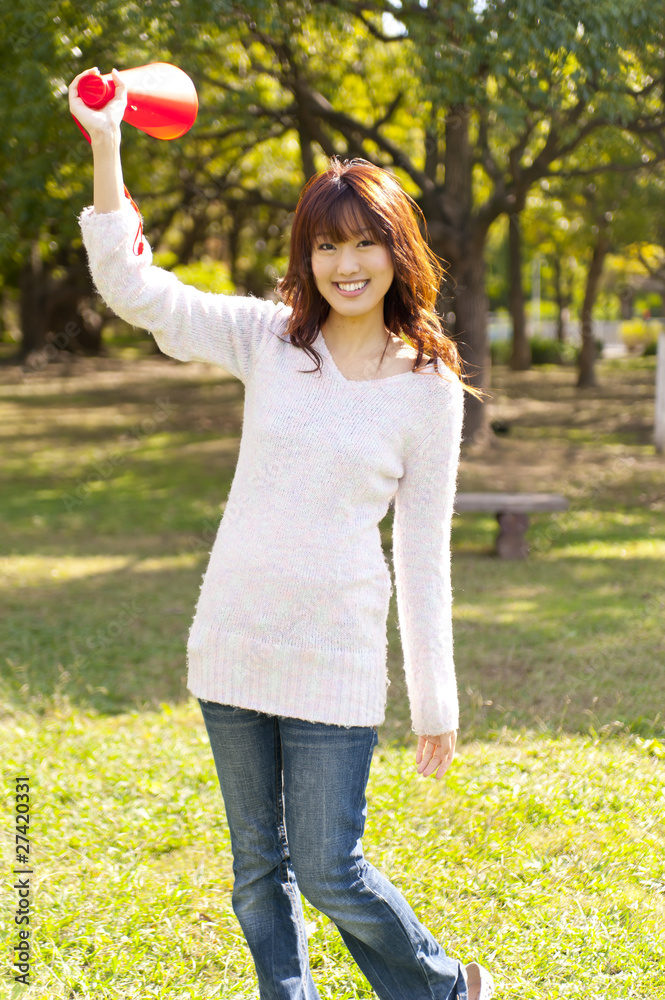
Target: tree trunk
626,296
57,316
470,306
561,302
72,324
520,358
461,241
587,371
33,289
194,234
237,223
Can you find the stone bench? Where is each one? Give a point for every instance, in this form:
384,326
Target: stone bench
512,513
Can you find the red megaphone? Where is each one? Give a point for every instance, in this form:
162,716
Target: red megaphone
161,99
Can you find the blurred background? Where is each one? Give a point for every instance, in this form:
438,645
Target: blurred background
532,135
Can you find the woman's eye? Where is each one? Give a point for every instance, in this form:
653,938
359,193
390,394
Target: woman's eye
323,246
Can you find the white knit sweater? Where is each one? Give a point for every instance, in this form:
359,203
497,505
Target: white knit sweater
291,615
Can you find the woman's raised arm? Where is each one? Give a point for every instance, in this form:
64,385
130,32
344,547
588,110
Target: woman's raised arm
188,324
103,127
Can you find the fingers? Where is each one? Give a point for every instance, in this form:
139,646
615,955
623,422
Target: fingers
120,85
119,99
432,763
93,69
426,751
432,757
73,87
438,765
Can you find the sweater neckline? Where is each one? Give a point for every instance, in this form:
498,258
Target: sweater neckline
321,342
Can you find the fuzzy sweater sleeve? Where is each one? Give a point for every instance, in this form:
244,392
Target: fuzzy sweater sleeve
422,560
188,324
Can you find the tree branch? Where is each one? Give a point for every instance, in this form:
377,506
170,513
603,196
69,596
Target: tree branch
654,272
375,31
347,125
221,84
390,110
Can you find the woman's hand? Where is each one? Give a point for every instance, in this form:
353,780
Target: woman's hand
103,122
434,754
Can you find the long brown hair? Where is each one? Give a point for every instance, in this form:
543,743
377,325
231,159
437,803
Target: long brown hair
340,201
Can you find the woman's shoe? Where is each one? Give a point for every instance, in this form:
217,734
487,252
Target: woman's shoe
479,983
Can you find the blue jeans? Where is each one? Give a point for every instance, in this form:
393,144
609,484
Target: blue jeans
294,795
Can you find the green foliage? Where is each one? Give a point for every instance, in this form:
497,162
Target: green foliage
651,301
546,351
500,351
546,309
637,334
283,86
607,306
206,275
46,161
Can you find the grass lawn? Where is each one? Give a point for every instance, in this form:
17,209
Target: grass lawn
541,851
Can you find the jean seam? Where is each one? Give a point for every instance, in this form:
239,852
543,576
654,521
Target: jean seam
399,921
291,888
281,828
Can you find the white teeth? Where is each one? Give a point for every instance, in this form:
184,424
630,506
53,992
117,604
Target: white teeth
352,287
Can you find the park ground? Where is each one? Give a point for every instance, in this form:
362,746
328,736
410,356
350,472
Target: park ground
541,851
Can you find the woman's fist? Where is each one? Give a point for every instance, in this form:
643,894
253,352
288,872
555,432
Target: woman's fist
103,121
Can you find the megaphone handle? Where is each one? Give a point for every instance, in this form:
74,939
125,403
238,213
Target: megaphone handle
95,91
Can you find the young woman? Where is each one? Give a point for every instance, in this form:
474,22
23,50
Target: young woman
287,650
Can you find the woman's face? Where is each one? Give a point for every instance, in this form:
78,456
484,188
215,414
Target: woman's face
339,268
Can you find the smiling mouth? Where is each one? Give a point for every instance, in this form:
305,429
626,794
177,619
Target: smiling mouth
351,286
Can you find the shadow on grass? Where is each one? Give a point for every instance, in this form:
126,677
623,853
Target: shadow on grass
533,648
101,589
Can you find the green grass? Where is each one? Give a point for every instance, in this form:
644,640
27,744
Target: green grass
542,854
541,851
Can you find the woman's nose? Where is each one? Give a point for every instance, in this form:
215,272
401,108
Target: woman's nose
348,263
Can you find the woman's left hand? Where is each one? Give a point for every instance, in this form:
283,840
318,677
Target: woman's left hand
434,754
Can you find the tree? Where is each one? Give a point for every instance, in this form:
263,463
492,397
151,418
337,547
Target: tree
470,106
614,206
557,231
44,159
509,92
46,163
